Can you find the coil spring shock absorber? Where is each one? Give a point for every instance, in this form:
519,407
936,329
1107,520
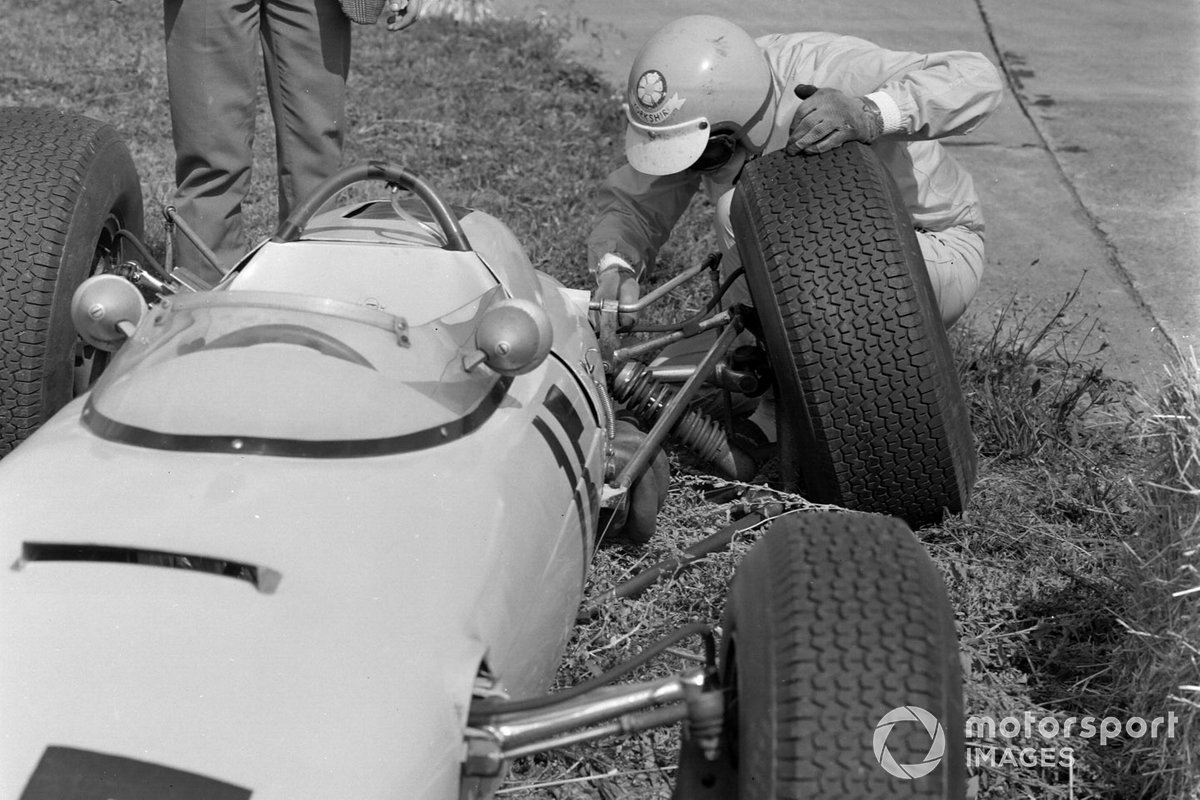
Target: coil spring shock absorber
645,397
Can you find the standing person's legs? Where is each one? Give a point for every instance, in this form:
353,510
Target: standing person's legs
306,50
212,76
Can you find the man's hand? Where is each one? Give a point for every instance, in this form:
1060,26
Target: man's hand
829,118
617,281
402,13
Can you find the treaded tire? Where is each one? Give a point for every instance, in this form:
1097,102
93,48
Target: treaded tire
834,620
870,412
67,185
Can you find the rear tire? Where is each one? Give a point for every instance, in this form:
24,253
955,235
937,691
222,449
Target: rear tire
870,412
67,186
833,621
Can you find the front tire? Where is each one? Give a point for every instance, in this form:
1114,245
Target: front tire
833,621
68,185
871,416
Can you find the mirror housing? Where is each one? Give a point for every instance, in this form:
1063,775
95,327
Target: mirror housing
106,309
513,337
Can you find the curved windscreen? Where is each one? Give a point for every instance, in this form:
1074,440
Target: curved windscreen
274,373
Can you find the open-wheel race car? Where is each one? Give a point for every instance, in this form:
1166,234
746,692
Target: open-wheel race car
322,530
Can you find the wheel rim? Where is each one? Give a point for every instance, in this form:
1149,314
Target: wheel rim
89,361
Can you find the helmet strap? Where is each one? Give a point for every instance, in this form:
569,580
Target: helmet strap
758,116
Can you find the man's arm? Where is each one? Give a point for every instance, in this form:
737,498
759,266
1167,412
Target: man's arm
945,94
869,91
636,215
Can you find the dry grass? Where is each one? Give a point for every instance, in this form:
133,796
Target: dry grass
1159,658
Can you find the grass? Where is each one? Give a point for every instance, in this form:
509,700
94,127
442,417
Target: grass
1074,571
1160,572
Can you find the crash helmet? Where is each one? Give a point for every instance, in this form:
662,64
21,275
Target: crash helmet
699,82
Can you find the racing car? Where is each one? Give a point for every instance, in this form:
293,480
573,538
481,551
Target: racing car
323,529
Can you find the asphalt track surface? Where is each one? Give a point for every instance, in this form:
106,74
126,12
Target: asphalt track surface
1089,172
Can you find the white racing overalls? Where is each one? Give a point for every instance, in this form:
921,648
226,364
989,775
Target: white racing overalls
923,97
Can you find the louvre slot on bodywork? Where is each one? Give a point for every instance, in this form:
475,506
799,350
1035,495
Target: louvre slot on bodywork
263,579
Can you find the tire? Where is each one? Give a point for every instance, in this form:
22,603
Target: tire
870,413
833,621
67,186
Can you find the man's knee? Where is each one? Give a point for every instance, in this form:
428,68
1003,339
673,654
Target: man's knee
955,262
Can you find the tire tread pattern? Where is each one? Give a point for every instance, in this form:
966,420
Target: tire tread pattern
48,159
846,617
835,268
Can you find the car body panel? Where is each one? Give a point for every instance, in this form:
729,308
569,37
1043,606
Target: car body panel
397,265
397,575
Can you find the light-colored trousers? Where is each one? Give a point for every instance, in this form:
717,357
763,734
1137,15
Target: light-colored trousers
213,51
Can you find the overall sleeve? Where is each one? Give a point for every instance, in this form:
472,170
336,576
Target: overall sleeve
637,213
921,95
942,94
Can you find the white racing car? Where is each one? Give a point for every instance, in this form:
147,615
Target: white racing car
322,530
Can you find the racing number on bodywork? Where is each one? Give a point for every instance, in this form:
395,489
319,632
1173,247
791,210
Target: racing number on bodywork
567,446
68,773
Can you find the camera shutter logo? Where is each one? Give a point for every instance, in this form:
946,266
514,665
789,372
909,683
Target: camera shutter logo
937,747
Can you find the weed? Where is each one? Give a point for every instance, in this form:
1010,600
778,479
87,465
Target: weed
1157,662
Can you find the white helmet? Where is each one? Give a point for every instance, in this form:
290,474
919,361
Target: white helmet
694,77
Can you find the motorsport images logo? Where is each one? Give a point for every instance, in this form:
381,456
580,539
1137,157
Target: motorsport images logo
937,746
1003,742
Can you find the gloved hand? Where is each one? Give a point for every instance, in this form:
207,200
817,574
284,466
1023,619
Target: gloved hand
829,118
617,281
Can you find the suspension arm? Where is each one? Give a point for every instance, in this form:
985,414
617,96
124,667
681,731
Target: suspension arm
674,409
608,703
603,712
623,354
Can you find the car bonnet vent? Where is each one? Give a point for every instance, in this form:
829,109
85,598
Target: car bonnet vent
263,579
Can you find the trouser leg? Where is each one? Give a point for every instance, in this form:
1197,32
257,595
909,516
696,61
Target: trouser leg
306,51
739,291
954,259
212,76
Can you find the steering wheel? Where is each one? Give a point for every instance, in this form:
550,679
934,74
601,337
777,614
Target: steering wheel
285,333
291,228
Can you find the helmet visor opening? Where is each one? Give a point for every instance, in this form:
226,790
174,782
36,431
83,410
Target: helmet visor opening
717,151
